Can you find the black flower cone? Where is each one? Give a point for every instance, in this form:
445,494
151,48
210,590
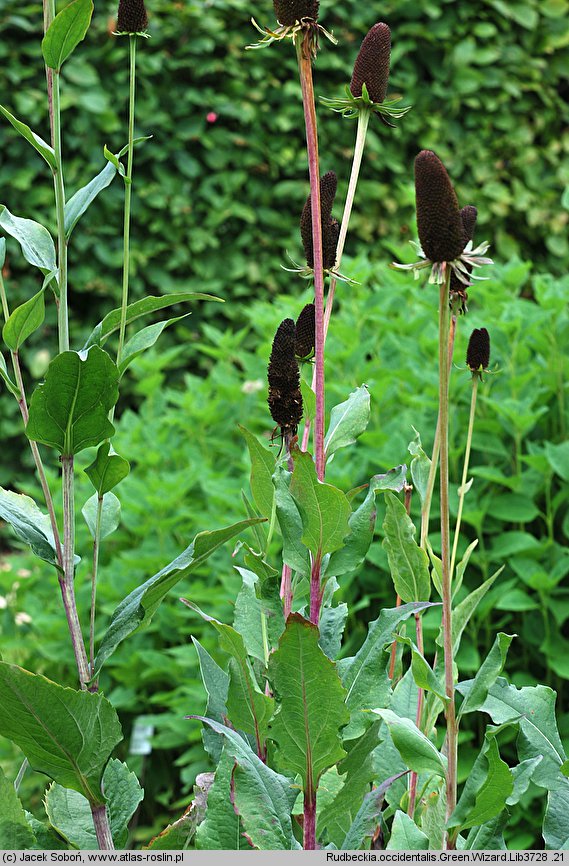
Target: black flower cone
372,63
288,12
478,351
330,227
439,221
131,16
285,399
305,332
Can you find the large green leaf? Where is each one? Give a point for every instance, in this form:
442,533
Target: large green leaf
423,674
408,563
35,240
65,32
257,599
248,708
331,627
23,321
107,469
149,304
364,675
305,681
262,798
139,605
487,674
324,509
15,831
488,786
262,468
367,818
69,411
295,554
348,420
405,835
66,734
216,684
418,752
42,147
555,824
29,523
70,813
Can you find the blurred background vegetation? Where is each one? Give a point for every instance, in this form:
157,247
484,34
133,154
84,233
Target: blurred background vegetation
217,197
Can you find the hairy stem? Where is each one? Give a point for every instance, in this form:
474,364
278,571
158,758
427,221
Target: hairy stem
128,196
462,490
96,548
102,828
445,544
67,580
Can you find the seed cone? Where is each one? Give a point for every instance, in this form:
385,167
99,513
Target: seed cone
330,226
305,332
478,351
288,12
285,399
469,215
372,63
131,17
439,220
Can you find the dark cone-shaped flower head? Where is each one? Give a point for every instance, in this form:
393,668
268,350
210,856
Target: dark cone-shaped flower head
372,63
285,399
468,215
439,221
305,332
131,17
288,12
330,227
478,351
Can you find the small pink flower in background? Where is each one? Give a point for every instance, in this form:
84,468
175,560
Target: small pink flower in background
211,117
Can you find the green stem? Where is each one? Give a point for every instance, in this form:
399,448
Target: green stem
63,313
96,548
445,545
128,195
462,491
21,773
67,580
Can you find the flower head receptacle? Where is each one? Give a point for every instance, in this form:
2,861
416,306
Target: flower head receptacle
294,18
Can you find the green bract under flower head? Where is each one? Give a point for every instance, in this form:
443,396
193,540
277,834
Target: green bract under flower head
478,351
372,64
285,399
289,12
330,226
439,221
131,16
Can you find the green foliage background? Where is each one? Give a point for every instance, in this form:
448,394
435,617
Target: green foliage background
216,208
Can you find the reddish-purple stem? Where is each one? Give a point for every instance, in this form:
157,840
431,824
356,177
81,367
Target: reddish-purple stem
309,830
286,589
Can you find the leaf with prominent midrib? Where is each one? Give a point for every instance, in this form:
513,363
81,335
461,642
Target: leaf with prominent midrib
65,32
348,420
324,509
414,747
66,734
69,411
34,239
405,835
23,321
107,469
42,147
311,709
487,674
408,563
29,523
262,468
488,786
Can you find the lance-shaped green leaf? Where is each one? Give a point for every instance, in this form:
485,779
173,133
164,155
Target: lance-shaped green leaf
364,675
488,786
367,818
249,710
423,674
405,835
107,469
15,831
65,32
262,468
12,387
23,321
408,563
216,684
110,514
295,554
262,798
420,466
487,674
137,309
66,734
143,340
30,524
418,752
348,420
308,401
324,509
461,567
462,612
331,626
522,777
42,147
140,605
555,826
70,813
36,242
488,836
69,411
257,599
305,682
221,828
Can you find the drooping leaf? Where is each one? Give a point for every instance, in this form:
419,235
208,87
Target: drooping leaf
69,411
295,554
331,627
65,32
418,752
70,813
408,563
461,567
304,680
139,605
149,304
555,825
262,468
68,735
366,821
107,469
463,611
216,684
110,514
262,798
308,400
178,835
23,321
487,674
30,524
405,835
255,600
420,466
348,420
522,775
12,387
42,147
15,831
364,675
143,340
36,242
423,674
488,786
324,509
